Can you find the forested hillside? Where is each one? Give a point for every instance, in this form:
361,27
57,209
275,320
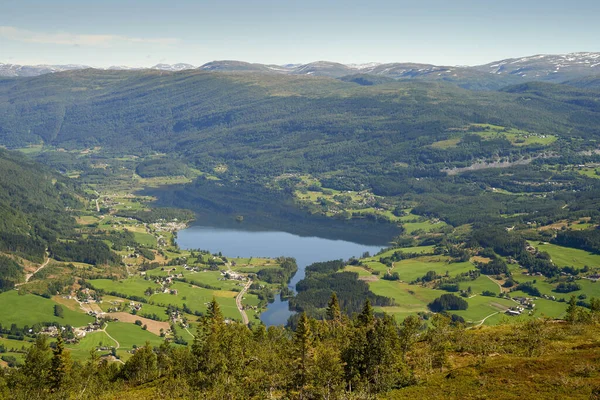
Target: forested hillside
33,202
268,124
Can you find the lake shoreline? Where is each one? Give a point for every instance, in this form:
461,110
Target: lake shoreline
272,244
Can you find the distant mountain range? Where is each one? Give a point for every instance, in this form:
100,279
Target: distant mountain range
550,68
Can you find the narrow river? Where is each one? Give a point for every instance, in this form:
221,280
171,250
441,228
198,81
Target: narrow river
238,242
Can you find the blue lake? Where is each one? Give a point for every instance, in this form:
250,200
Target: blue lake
238,242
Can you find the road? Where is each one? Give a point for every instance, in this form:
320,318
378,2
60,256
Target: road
483,320
238,302
496,282
115,340
96,200
28,276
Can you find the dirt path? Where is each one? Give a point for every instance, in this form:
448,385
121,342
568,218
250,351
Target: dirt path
238,302
114,340
28,276
191,334
483,320
96,200
497,283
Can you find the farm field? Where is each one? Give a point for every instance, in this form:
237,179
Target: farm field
359,270
516,137
129,335
212,278
81,351
426,226
196,299
408,298
414,268
133,286
376,266
11,344
152,309
566,256
39,309
483,306
145,239
416,249
479,285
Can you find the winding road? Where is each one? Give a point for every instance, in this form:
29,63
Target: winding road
238,302
483,320
115,340
496,282
28,276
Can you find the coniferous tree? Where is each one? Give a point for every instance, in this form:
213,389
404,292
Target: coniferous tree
302,352
326,374
61,365
572,310
142,366
37,367
408,334
366,316
438,339
333,308
209,347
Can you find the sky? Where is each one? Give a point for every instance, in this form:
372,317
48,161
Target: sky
103,33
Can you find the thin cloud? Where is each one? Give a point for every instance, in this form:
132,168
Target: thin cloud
64,38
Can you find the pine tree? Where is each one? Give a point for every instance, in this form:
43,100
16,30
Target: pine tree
61,365
333,308
572,310
213,312
142,366
37,366
209,345
366,316
302,353
326,372
408,334
438,338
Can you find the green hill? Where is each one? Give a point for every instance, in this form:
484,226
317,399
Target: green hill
267,124
33,201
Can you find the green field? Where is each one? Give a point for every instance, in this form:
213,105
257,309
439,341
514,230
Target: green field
81,351
427,226
516,137
416,249
479,285
411,298
145,239
589,172
446,144
149,309
376,266
30,309
165,271
129,335
196,299
566,256
10,344
253,264
212,278
359,270
132,286
414,268
483,306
